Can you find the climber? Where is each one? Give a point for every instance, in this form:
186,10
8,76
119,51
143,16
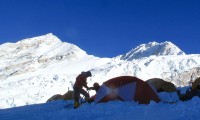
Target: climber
81,81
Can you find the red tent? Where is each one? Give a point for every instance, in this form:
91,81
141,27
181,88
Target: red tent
126,88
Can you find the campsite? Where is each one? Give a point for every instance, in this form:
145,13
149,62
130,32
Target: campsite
133,89
119,102
99,60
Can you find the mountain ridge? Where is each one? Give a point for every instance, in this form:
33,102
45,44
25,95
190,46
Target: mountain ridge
34,73
151,48
36,50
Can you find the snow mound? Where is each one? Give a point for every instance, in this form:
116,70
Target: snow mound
115,110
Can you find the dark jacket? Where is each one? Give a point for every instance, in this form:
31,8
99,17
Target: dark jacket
81,81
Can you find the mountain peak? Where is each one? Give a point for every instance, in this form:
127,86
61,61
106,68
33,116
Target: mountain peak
152,48
47,38
28,54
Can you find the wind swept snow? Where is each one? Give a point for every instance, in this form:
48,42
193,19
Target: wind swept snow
115,110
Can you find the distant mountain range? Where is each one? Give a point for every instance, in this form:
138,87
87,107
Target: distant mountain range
34,69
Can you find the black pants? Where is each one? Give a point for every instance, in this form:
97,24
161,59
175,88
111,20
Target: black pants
78,91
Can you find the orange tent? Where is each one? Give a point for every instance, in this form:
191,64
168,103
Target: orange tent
126,88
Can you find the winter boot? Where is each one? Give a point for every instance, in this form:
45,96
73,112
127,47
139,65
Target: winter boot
86,99
76,105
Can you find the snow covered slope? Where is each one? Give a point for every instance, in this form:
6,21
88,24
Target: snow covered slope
170,68
34,69
116,110
152,48
30,54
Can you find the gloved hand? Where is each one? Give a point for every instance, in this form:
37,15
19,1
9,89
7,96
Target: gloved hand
88,88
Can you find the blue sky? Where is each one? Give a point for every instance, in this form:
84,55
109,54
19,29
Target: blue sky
104,28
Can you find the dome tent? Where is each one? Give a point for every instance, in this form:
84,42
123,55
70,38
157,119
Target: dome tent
55,97
161,85
67,96
192,91
196,84
126,88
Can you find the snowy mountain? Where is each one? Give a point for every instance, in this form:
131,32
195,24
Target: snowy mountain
152,48
30,54
34,69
